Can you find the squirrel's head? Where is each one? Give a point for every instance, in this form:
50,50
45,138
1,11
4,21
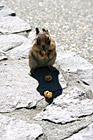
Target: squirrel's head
43,39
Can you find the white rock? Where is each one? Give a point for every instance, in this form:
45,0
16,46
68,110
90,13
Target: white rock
69,61
14,129
8,42
13,25
78,66
68,107
21,51
5,11
85,134
32,35
17,88
3,56
86,76
62,81
1,5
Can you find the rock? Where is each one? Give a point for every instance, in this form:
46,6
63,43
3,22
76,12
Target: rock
70,106
62,81
12,24
89,94
22,51
78,66
1,5
3,56
8,42
18,89
70,62
32,35
61,132
86,76
14,129
5,11
85,134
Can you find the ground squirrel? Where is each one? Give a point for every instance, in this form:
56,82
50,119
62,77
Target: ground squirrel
42,51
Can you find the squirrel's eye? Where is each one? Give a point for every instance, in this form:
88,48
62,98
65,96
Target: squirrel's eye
48,41
38,41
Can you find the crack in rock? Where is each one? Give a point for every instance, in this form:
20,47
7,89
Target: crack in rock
15,129
8,42
86,133
67,107
10,24
18,88
5,11
75,132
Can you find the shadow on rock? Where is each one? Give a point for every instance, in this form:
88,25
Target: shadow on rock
52,86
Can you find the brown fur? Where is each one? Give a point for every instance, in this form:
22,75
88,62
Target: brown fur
42,51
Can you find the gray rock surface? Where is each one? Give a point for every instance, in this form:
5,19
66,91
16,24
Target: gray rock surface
5,11
8,42
68,107
52,131
65,59
72,63
13,25
61,132
62,81
70,115
21,51
3,55
18,88
85,134
14,129
86,76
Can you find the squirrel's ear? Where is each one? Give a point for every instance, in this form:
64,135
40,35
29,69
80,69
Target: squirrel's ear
37,31
43,30
47,31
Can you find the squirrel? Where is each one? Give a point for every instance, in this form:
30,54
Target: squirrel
42,51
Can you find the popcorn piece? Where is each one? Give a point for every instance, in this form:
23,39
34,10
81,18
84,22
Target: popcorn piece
48,94
44,53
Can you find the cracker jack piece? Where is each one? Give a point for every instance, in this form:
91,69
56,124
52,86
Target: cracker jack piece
48,78
48,94
44,54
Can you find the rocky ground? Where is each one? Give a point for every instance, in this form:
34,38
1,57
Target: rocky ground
25,114
70,22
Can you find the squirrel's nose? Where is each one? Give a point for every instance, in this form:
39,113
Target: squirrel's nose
43,47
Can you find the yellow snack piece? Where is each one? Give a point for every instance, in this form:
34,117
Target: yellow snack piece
48,94
44,53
